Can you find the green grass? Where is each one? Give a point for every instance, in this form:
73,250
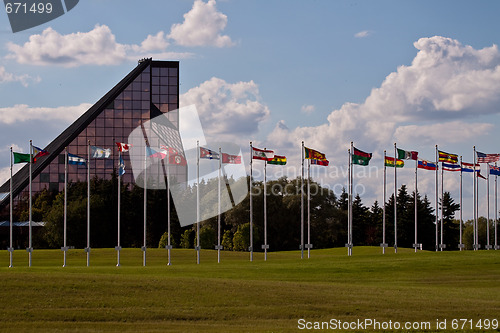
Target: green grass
241,296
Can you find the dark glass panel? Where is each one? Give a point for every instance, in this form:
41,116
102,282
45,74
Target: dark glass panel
172,71
44,177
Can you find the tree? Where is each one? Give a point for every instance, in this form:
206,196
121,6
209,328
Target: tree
227,240
186,242
163,241
451,228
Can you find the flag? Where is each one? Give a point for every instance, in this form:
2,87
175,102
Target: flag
280,160
207,153
231,159
123,147
469,167
447,157
320,162
389,161
174,157
427,165
37,153
262,154
360,157
121,166
480,175
407,155
451,167
156,153
313,154
494,170
77,160
97,152
487,158
21,158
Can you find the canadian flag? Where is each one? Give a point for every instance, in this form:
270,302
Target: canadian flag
123,147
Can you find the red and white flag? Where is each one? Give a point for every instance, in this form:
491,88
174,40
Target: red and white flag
262,154
123,147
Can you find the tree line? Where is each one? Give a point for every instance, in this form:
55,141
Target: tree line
328,215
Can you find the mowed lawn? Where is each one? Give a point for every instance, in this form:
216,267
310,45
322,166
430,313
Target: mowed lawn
237,295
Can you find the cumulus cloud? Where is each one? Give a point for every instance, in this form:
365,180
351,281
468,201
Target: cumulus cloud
363,34
22,113
307,108
96,47
201,27
227,109
24,79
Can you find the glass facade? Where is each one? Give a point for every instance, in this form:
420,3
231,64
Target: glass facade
157,84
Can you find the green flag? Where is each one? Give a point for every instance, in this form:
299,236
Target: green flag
21,158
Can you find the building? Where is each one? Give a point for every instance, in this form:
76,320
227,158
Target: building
149,90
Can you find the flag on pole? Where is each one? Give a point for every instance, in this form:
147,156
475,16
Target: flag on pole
21,158
427,165
208,154
494,170
487,158
451,167
480,175
262,154
279,160
76,160
360,157
37,153
121,166
174,157
389,161
407,155
320,162
313,154
156,153
469,167
231,159
97,152
447,157
123,147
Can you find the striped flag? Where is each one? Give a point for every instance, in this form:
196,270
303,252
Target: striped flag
76,160
320,162
279,160
427,165
447,157
262,154
209,154
487,158
389,161
451,167
469,167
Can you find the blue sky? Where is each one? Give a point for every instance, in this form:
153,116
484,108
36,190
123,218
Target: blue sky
419,73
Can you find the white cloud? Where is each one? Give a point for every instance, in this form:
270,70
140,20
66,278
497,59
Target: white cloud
307,108
96,47
201,27
227,109
24,79
22,113
363,34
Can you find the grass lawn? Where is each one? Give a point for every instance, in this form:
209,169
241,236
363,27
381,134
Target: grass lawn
241,296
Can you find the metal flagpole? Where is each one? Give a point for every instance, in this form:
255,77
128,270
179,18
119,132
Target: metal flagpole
302,206
198,202
488,246
474,202
88,205
442,206
11,249
437,199
384,244
65,248
30,247
169,245
118,247
496,211
349,203
461,245
351,197
416,204
395,201
308,245
218,247
265,246
145,203
251,210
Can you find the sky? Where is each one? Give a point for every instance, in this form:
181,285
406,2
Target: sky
416,73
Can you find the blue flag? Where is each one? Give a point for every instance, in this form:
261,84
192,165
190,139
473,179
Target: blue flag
121,166
76,160
494,170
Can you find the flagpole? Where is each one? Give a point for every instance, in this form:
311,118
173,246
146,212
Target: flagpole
251,206
395,202
218,208
30,248
145,203
496,211
302,206
442,205
461,245
416,204
88,204
488,246
384,245
351,197
265,209
308,245
169,245
474,201
118,247
11,249
198,202
349,154
437,199
65,202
